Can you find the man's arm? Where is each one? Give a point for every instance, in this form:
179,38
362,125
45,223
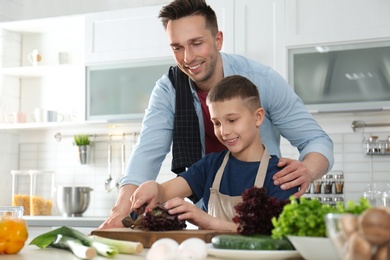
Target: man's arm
146,158
298,126
121,208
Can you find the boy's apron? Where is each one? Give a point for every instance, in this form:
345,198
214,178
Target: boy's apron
221,205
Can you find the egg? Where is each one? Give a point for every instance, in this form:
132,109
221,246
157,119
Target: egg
192,249
163,249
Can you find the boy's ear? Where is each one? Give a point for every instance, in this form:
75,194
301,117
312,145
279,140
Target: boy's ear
259,113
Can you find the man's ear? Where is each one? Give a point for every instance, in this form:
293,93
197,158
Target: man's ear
219,40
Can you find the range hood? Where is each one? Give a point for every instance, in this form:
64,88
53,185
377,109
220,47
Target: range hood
342,78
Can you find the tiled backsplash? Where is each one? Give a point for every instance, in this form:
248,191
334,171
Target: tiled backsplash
62,157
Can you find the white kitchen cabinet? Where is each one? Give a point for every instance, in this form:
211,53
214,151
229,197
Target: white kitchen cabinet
325,21
125,35
224,10
258,30
137,34
51,84
252,28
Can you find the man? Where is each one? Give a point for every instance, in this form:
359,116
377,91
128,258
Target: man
178,112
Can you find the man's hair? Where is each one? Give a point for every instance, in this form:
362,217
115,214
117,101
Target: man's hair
182,8
235,87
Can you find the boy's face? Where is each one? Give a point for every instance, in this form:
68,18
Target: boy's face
237,127
195,49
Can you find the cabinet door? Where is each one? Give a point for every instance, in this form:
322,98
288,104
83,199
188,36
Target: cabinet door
259,30
323,21
130,34
224,10
255,29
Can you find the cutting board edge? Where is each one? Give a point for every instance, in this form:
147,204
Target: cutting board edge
147,238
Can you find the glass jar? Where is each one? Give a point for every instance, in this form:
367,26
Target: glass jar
328,183
13,230
386,196
317,184
373,195
308,189
339,183
372,145
388,144
34,190
327,200
316,198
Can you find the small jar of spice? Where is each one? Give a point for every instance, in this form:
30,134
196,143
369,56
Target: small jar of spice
317,184
328,183
339,183
388,144
373,145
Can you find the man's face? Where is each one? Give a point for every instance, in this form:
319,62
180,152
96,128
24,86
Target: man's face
194,47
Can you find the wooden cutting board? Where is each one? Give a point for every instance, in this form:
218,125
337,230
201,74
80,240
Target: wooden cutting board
147,238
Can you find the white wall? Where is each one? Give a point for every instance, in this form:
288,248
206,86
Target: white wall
39,150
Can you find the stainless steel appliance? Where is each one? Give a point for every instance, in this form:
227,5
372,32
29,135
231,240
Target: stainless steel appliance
344,77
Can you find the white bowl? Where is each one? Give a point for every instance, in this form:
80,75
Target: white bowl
314,248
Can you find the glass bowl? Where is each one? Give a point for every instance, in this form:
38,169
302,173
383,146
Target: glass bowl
357,237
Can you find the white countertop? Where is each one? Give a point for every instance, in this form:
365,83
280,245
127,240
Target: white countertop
56,221
31,252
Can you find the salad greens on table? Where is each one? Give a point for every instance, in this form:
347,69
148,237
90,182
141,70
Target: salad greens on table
306,217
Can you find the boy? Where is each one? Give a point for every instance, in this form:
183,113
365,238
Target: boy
220,178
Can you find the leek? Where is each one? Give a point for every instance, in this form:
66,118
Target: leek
48,238
74,245
124,247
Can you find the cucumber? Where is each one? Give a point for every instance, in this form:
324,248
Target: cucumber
250,242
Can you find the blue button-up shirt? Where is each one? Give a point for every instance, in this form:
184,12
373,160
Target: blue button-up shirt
285,115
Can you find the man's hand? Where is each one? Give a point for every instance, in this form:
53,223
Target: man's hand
296,173
121,208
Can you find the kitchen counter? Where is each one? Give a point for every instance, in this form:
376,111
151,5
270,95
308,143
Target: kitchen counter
31,252
57,221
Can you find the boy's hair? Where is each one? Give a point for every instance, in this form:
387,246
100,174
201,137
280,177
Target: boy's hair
235,87
182,8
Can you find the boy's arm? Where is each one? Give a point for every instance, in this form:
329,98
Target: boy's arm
151,192
193,214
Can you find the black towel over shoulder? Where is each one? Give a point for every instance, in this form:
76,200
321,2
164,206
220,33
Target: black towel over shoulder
186,147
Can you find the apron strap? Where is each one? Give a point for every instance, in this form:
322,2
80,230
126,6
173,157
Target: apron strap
262,171
218,176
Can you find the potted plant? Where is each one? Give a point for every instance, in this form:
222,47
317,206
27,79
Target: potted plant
82,142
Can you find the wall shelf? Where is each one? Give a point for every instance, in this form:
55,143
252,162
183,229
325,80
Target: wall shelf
41,71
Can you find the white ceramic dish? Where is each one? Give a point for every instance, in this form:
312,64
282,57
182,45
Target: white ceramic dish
314,248
252,254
